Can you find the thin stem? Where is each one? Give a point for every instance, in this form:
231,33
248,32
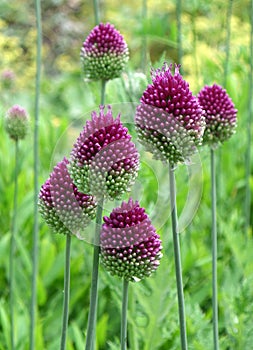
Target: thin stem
12,248
91,330
96,11
194,32
133,341
123,334
144,38
249,133
214,255
179,31
36,185
66,293
177,257
103,85
228,30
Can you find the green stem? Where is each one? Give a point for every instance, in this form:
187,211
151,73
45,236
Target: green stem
12,248
214,255
123,334
249,133
144,38
177,257
36,185
228,31
179,32
133,341
103,85
194,32
96,11
91,330
66,293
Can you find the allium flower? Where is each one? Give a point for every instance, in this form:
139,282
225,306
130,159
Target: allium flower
219,113
17,122
104,160
104,53
169,118
63,208
130,246
8,78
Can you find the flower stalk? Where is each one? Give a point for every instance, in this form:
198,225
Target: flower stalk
96,11
12,249
177,258
214,254
249,132
66,293
123,333
36,185
91,329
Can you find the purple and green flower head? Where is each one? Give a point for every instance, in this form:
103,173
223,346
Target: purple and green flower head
220,114
169,119
104,53
63,207
17,122
104,161
130,246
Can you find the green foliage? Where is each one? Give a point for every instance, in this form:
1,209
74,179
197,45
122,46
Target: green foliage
66,102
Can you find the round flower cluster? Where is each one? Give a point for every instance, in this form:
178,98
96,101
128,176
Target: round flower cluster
62,206
104,53
169,119
219,112
130,246
104,161
17,122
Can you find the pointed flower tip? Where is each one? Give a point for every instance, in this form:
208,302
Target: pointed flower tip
104,161
220,114
63,207
130,246
104,53
17,122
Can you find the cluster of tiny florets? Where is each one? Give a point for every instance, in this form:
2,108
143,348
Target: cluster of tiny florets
220,114
169,119
63,207
104,53
104,160
130,246
17,122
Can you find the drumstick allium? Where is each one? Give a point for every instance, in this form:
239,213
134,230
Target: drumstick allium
17,122
219,112
63,207
104,161
104,53
169,119
130,246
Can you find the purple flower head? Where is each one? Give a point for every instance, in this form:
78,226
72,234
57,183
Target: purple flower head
8,77
104,160
219,112
104,53
17,122
169,119
63,207
130,246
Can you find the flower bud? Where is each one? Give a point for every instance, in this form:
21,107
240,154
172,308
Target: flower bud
17,122
63,207
104,53
104,161
130,246
169,119
220,114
